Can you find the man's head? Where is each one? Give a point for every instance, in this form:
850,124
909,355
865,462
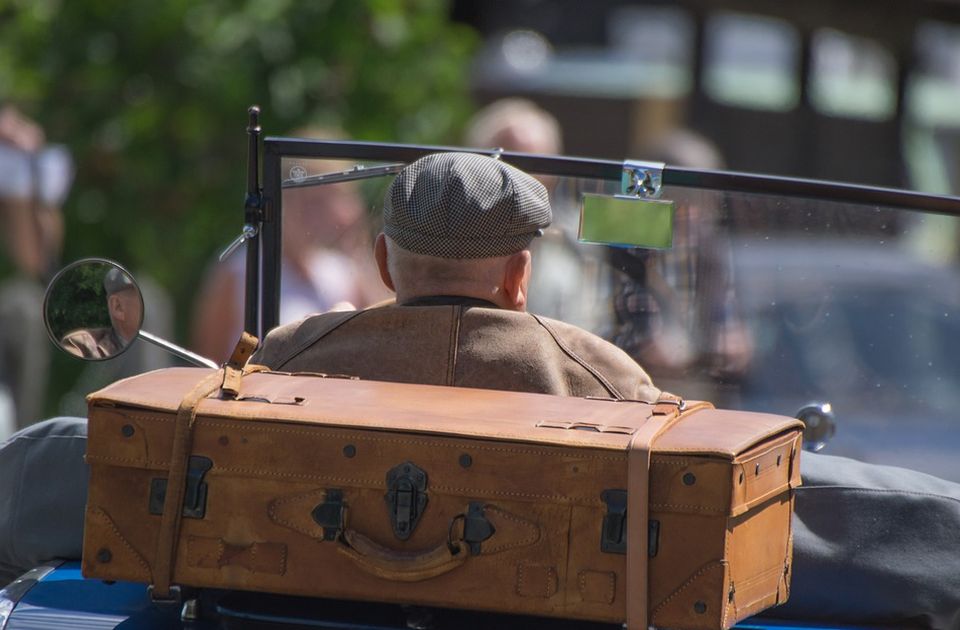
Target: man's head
460,224
123,303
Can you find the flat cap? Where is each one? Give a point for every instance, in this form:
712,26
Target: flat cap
116,280
464,205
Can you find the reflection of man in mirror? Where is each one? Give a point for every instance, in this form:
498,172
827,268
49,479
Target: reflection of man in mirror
126,314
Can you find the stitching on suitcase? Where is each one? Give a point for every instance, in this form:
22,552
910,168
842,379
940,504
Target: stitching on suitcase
96,459
696,508
265,473
116,531
693,578
611,578
523,495
160,416
376,483
532,538
762,575
726,554
422,443
279,569
550,572
272,512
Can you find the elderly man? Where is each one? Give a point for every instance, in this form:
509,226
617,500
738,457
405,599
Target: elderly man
125,308
871,543
454,249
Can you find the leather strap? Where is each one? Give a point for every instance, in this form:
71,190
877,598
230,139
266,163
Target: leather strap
665,412
176,483
234,368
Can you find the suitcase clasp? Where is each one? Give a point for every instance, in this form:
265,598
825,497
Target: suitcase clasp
406,498
613,538
329,514
195,494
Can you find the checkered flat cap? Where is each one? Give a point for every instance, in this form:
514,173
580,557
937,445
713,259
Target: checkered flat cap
464,205
116,280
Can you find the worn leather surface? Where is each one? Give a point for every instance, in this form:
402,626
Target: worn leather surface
457,345
536,463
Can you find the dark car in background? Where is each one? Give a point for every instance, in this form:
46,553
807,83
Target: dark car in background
868,326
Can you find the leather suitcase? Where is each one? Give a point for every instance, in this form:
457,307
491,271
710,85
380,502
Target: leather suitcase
441,496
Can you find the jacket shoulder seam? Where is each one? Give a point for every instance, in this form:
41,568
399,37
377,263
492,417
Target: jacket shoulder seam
579,360
334,322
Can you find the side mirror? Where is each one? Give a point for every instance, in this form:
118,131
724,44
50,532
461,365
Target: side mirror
93,309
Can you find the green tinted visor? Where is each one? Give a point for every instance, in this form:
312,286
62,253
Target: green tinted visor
625,221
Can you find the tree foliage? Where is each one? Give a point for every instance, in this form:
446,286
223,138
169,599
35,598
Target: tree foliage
79,299
151,97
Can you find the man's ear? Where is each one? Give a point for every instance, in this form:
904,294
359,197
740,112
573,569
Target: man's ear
115,307
516,277
380,253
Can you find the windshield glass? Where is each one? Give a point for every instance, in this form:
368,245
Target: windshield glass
762,302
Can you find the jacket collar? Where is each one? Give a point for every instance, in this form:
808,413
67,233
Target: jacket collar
448,300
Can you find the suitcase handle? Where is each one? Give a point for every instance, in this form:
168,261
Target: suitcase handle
402,566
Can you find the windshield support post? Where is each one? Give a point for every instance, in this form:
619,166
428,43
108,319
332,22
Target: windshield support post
252,220
270,239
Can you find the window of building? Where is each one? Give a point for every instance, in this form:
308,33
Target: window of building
751,61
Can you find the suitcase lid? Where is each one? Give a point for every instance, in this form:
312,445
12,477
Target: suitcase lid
454,411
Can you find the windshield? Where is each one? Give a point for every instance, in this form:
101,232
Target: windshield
762,302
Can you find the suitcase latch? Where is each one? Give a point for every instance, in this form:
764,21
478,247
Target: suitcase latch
613,538
406,498
476,527
329,514
195,494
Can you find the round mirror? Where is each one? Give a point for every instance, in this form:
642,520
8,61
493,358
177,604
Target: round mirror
93,309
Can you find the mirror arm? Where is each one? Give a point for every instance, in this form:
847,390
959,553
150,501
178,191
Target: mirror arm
183,353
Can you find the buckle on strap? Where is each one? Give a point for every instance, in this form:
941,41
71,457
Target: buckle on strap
233,369
668,403
174,596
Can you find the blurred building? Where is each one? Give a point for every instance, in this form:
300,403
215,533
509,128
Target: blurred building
861,90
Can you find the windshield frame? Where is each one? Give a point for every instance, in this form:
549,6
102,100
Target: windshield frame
263,250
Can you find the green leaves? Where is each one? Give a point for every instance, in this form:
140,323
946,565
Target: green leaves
151,98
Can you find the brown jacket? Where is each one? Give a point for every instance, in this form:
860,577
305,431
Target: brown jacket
467,346
93,343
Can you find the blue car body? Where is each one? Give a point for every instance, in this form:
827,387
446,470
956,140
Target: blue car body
56,595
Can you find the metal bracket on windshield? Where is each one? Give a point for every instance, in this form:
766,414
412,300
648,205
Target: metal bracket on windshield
357,172
642,179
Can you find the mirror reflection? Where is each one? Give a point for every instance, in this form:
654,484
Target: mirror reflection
93,309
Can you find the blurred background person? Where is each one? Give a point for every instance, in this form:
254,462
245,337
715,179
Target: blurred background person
677,312
327,260
34,181
515,124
